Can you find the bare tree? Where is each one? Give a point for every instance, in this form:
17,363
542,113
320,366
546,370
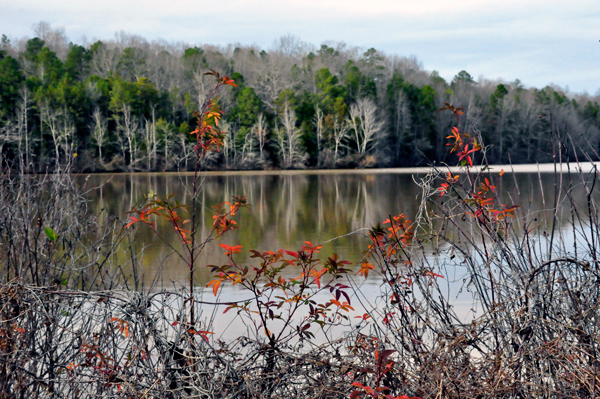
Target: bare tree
61,128
23,128
54,38
150,139
105,60
260,131
319,119
168,142
67,136
274,77
248,154
99,130
291,153
165,66
366,126
230,150
291,46
201,87
187,151
128,125
340,129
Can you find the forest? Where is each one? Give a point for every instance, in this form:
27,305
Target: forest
128,104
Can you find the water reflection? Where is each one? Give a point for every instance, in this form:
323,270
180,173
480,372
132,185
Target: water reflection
286,210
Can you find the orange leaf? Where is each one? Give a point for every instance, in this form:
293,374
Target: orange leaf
71,366
203,334
229,250
215,284
133,220
216,287
364,316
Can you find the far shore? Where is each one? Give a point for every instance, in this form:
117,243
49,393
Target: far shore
574,167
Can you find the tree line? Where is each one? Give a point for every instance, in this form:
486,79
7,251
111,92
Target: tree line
128,104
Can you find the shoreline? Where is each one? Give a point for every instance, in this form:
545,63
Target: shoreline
584,167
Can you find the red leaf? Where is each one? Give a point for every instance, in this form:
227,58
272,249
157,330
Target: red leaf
229,250
291,253
133,220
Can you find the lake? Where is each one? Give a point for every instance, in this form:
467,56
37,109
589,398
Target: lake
332,208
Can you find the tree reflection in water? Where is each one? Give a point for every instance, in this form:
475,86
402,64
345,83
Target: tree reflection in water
287,209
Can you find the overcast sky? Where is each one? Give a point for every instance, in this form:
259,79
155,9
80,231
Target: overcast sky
537,41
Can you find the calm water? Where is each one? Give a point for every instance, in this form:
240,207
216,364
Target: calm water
287,209
333,209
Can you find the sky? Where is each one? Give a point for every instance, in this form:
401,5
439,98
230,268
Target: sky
539,42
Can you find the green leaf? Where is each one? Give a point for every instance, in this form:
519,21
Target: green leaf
52,236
